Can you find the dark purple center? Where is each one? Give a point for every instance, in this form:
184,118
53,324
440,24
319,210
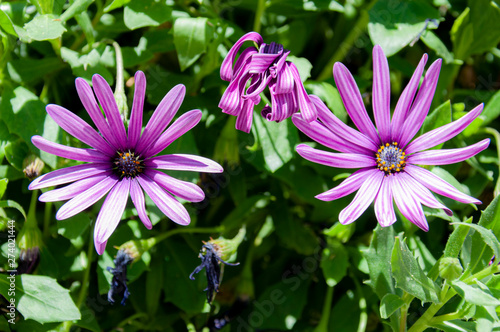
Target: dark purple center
128,165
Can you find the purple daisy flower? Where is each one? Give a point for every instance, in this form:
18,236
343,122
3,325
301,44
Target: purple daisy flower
258,68
387,157
122,164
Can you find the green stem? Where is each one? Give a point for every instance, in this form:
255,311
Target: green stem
325,314
493,132
31,219
425,320
161,237
447,317
46,219
402,317
261,7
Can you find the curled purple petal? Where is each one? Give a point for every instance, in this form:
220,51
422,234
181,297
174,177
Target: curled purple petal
226,68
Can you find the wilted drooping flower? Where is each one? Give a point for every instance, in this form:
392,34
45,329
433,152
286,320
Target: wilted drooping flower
387,157
122,163
119,281
258,68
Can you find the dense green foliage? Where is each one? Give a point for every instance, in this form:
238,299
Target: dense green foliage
299,268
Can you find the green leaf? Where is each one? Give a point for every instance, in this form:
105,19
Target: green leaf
3,186
378,257
44,27
115,4
95,62
389,304
154,280
477,29
29,70
395,25
432,41
474,294
133,56
16,152
6,24
75,8
456,240
143,13
334,262
491,110
191,36
330,95
409,275
41,298
277,141
12,204
303,65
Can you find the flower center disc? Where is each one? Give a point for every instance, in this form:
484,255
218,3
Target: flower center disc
390,158
128,165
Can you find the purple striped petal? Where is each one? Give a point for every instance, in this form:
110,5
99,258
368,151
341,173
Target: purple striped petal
438,185
183,189
407,203
448,156
137,196
244,120
101,247
78,128
365,195
423,194
89,102
348,186
443,133
285,81
88,155
381,94
420,107
306,106
353,102
341,160
69,174
243,60
107,100
72,189
165,202
383,206
111,213
341,129
226,68
323,136
182,125
82,201
161,117
261,62
405,101
135,124
184,162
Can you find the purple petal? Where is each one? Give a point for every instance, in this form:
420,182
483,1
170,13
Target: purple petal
111,213
341,129
182,125
226,69
365,195
183,189
244,120
384,208
137,196
285,81
69,174
89,102
78,128
448,156
108,103
381,94
423,194
161,117
261,62
82,201
101,247
323,136
88,155
243,61
438,185
405,101
443,133
135,124
348,186
353,102
420,107
72,189
233,96
165,202
407,204
341,160
184,162
306,106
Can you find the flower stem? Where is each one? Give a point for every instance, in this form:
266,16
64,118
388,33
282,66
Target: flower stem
46,219
424,321
325,313
261,7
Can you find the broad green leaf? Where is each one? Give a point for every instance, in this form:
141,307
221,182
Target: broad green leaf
394,25
378,257
12,204
6,24
389,304
432,41
96,62
3,186
133,56
115,4
41,298
44,27
191,36
29,70
477,29
330,95
15,153
334,262
5,138
143,13
491,110
277,141
303,66
46,6
474,294
409,276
